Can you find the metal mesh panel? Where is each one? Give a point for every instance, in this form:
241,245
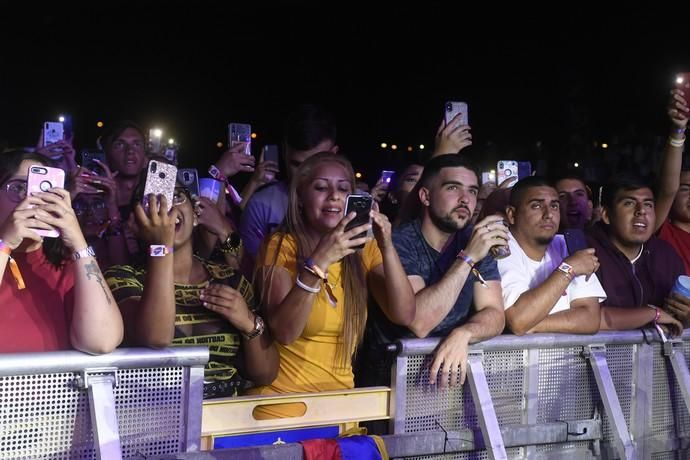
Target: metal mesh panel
46,416
505,374
620,361
567,391
663,421
513,454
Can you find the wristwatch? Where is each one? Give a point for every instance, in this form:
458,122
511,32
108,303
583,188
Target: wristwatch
259,327
567,270
86,252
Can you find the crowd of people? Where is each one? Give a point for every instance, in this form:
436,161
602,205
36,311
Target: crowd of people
289,298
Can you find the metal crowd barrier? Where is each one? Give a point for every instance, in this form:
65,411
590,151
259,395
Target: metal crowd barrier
132,403
543,396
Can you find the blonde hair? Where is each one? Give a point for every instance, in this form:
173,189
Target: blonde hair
352,273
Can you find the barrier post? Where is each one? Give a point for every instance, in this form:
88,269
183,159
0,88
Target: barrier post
99,383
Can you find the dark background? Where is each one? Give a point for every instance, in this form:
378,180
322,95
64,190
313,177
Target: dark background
539,86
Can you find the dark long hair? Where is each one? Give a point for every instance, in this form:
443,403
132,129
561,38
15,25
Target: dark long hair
53,248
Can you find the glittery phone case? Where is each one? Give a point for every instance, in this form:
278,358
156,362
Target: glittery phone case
160,180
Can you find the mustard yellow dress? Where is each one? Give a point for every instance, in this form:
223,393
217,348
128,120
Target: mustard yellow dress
310,363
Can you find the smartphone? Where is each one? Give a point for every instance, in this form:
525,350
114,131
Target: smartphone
454,108
155,141
190,179
524,169
87,161
240,132
170,153
361,204
505,169
160,180
387,176
488,176
683,84
575,240
270,153
41,179
53,131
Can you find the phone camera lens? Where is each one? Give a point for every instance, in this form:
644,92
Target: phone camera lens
500,165
449,107
153,166
161,175
186,176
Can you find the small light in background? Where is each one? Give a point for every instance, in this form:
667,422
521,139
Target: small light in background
219,145
577,165
383,145
358,175
409,148
679,79
99,124
604,146
253,136
61,119
171,141
394,147
158,132
421,146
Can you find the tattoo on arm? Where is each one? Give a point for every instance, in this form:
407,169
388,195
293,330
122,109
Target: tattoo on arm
92,270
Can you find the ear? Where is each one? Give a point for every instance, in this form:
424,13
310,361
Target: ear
605,218
510,214
424,196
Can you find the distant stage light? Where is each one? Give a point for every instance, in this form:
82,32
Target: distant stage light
253,136
577,165
394,147
158,132
383,145
171,141
99,124
421,146
61,119
409,148
604,146
358,175
219,145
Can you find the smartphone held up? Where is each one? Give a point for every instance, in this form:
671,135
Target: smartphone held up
240,133
42,179
453,109
160,180
361,205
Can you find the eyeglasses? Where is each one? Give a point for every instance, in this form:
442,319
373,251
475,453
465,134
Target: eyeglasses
81,207
16,190
179,196
121,146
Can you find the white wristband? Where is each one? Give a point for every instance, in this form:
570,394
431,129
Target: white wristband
305,287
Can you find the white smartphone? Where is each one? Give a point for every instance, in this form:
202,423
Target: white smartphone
506,169
240,132
452,109
53,131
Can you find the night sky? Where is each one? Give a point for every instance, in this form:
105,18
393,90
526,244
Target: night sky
192,67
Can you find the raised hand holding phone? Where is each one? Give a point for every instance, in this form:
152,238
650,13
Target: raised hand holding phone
43,179
361,205
160,180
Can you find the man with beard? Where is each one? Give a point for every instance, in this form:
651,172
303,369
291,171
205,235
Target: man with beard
575,202
637,270
457,287
544,289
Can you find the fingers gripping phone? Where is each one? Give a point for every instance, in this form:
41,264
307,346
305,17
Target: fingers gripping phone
575,240
160,180
189,178
361,204
452,109
87,161
240,132
41,179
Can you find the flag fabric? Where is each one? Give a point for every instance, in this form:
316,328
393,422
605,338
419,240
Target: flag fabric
348,448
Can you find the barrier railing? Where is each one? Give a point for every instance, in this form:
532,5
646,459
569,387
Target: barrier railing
129,403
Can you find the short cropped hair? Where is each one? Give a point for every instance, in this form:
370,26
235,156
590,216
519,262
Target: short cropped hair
519,190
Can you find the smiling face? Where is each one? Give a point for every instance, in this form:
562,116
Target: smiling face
534,222
451,198
631,219
186,220
576,207
322,197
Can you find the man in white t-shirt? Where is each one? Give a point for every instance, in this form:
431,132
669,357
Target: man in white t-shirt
544,289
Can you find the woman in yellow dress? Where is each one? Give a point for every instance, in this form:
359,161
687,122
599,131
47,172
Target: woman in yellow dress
315,283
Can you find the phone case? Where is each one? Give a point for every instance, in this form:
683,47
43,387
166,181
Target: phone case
160,180
240,132
190,179
271,153
361,204
87,161
387,176
41,179
53,131
506,169
575,240
454,108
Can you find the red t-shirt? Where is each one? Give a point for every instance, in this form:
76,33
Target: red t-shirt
679,239
38,317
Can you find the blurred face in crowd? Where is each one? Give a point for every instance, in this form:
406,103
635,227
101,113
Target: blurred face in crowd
126,153
297,157
680,212
576,207
408,179
631,219
323,195
535,220
92,213
450,198
186,220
